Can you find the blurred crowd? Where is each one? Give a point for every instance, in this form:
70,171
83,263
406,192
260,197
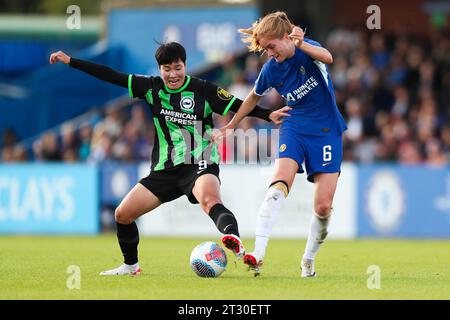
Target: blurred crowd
393,90
121,134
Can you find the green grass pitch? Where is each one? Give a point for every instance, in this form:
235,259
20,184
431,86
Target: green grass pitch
35,267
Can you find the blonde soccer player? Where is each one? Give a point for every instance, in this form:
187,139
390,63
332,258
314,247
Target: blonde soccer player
310,134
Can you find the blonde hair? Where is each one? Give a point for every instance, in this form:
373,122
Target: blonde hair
272,26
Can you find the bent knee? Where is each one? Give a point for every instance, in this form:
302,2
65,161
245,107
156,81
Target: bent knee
122,217
207,202
323,209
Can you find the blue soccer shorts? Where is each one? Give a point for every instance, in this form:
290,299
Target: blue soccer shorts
319,153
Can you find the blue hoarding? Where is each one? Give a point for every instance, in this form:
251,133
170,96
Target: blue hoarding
117,179
391,200
49,199
403,201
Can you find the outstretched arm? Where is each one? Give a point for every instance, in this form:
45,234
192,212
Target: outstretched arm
257,112
262,113
246,107
97,70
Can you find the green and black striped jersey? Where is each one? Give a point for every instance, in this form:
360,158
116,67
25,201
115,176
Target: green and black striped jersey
183,118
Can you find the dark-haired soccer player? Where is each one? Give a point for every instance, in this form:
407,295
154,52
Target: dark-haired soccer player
184,161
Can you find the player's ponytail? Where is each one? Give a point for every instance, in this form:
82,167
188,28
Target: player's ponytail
274,25
250,38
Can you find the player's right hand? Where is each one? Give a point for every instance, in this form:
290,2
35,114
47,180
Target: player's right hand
221,133
59,57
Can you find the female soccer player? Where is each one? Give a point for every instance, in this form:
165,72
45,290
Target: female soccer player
184,161
311,133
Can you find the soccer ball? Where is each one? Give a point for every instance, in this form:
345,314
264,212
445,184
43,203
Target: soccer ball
208,259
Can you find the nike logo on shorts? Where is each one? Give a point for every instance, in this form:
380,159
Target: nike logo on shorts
326,164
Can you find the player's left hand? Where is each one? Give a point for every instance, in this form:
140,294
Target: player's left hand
278,115
297,35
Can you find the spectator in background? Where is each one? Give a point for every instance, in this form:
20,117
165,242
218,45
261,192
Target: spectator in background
113,123
401,130
9,138
240,87
123,152
7,144
388,149
343,40
339,72
355,121
435,155
409,153
131,146
252,68
10,151
445,138
47,148
229,71
401,101
414,58
70,155
139,119
396,73
50,147
19,153
101,148
69,142
380,56
443,94
7,154
426,122
85,135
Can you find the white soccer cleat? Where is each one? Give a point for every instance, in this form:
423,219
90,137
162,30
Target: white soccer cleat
233,243
254,262
123,270
307,267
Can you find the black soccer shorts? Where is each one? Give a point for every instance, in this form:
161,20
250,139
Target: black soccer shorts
170,184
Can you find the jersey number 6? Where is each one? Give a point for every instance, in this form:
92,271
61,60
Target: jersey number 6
327,153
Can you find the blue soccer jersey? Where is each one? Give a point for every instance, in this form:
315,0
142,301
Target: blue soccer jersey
307,87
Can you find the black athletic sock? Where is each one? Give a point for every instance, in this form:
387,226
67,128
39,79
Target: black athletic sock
128,236
224,219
